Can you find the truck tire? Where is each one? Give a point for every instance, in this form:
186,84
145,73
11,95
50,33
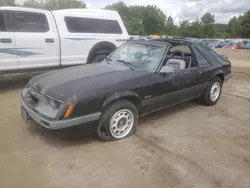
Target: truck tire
119,120
212,92
99,58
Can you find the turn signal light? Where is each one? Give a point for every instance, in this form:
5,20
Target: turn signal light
69,111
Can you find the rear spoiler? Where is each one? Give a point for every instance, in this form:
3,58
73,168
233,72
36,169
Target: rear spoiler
225,58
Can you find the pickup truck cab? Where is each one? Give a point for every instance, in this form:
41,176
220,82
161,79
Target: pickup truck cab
33,39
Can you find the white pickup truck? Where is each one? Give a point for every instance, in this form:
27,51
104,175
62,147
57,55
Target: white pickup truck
32,39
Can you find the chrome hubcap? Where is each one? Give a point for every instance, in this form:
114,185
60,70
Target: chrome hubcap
121,123
215,91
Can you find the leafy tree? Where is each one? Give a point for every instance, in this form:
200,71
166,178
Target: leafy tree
233,27
208,27
54,4
184,28
244,25
120,7
170,27
153,20
150,18
135,26
7,2
195,29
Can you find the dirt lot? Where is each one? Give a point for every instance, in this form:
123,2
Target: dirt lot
240,58
186,146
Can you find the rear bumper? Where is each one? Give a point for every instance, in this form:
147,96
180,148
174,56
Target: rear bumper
227,77
58,124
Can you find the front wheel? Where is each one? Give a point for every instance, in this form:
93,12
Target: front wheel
212,93
118,121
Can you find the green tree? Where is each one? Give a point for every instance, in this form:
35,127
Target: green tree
54,4
135,26
244,25
7,2
122,8
232,27
195,29
150,18
208,27
153,20
170,27
184,28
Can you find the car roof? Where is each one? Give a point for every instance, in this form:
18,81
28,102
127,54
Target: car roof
153,42
9,8
175,40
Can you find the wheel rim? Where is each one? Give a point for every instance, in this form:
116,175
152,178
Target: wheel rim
121,123
215,91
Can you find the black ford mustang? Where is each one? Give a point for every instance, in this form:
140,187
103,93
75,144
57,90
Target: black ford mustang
138,78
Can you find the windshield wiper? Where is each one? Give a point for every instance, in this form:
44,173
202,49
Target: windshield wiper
107,59
130,65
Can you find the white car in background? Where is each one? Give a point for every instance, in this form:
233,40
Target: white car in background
33,39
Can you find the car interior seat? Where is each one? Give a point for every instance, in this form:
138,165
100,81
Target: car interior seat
176,64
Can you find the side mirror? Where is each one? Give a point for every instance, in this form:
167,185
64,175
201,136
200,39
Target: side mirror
167,69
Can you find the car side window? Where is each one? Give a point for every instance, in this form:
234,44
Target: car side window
2,22
203,62
179,57
30,22
92,25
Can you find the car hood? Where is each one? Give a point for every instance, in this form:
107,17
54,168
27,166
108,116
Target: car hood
85,80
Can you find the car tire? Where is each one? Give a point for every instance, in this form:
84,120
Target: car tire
212,93
99,58
118,121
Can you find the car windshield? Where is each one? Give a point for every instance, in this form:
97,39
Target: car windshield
139,55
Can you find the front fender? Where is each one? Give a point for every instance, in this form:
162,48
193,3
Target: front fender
120,95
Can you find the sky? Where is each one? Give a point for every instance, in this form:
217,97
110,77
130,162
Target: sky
185,9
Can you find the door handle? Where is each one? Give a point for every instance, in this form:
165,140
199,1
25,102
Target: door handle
199,73
5,40
49,40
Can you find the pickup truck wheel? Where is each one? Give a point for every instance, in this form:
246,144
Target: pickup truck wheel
99,58
212,93
118,121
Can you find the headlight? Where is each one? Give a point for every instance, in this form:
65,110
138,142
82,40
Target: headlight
53,103
48,107
25,90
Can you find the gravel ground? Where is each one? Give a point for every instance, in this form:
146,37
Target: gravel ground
186,146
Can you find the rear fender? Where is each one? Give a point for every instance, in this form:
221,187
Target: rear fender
217,72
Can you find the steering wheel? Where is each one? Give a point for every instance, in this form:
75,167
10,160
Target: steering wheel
178,53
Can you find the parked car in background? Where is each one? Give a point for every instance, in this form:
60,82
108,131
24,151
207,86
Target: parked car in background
235,45
240,45
230,45
222,44
247,46
214,44
138,78
33,39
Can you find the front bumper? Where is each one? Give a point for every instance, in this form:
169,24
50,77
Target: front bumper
227,77
57,124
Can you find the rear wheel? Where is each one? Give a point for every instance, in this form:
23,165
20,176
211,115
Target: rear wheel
212,93
118,121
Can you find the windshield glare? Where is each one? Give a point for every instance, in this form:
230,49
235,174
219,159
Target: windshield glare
140,56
